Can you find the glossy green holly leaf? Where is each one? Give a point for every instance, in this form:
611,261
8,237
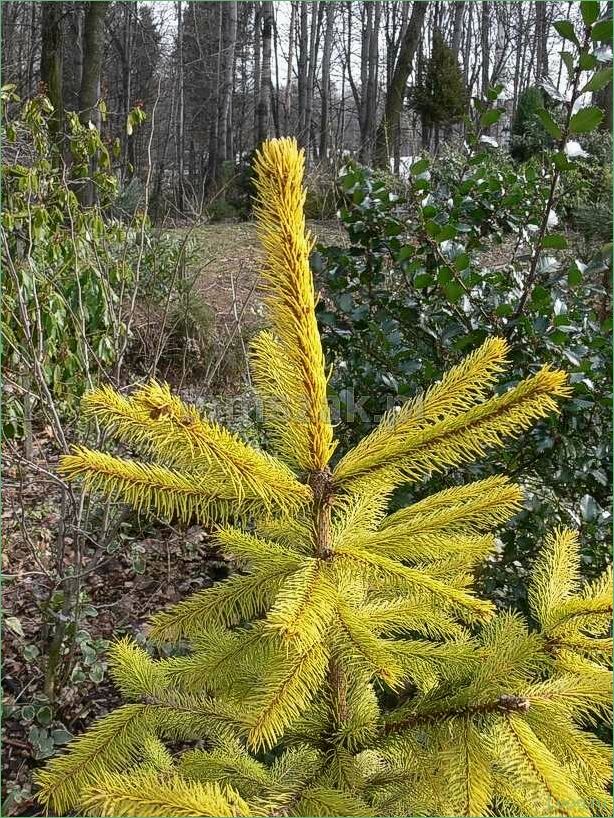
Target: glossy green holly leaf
602,32
419,167
585,120
555,241
566,30
590,11
588,61
598,81
549,124
453,291
561,162
423,280
489,118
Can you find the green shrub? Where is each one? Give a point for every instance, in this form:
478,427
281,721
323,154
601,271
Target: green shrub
441,96
411,294
529,136
321,201
586,196
64,264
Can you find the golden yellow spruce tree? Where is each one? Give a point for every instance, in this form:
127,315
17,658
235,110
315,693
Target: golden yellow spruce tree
346,667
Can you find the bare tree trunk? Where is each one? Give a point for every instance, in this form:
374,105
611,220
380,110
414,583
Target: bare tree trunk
311,72
226,56
51,64
181,110
372,87
517,62
93,52
89,93
325,116
303,60
457,29
485,43
389,123
275,98
257,67
541,35
264,97
128,141
213,143
288,88
31,48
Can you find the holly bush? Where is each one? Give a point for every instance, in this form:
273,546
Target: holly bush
422,283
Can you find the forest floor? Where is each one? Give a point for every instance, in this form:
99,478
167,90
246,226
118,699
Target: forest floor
153,565
229,257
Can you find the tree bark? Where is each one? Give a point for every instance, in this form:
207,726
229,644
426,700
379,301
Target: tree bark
213,148
264,96
288,88
51,65
128,142
372,85
485,43
541,34
325,116
93,52
230,41
389,123
303,64
257,69
89,93
457,29
311,73
180,111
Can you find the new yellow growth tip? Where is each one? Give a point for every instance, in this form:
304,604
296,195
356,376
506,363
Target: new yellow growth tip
306,439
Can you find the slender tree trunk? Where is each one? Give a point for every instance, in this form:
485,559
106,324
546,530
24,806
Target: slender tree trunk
51,65
257,66
31,48
213,153
457,29
128,141
328,45
230,40
541,35
89,93
275,97
372,87
396,92
485,43
181,110
311,72
93,52
288,88
264,97
303,60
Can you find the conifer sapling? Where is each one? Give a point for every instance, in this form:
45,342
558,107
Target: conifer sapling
346,667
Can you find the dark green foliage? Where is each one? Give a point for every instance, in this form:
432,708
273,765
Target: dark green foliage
440,95
412,293
234,201
586,196
529,136
64,265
